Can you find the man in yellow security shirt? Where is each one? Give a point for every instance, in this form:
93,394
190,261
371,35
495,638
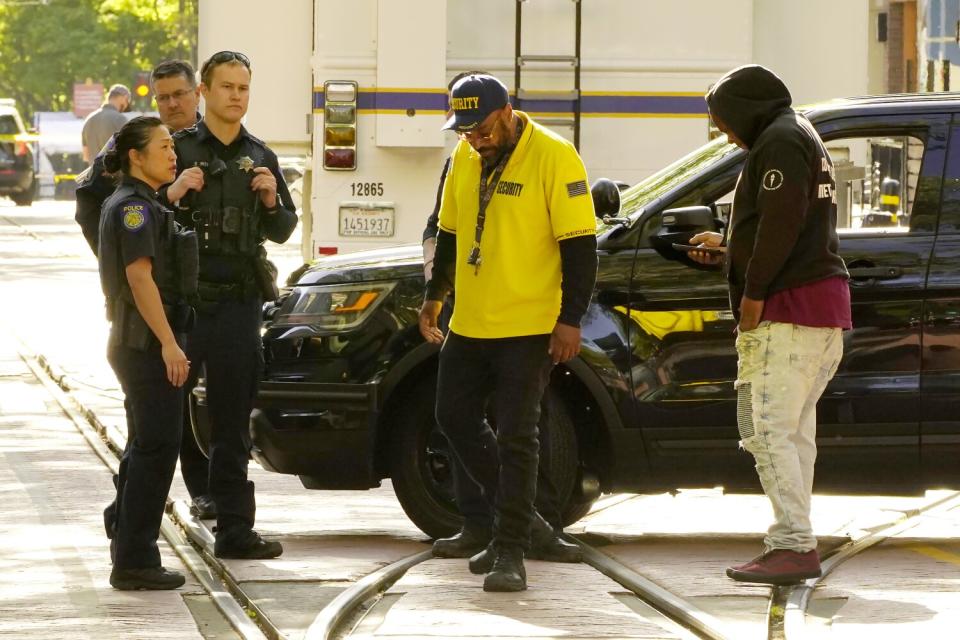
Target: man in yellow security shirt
517,240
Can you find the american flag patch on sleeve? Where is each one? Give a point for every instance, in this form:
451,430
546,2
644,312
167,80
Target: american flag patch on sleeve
578,188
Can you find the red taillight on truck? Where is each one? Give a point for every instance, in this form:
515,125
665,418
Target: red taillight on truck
340,125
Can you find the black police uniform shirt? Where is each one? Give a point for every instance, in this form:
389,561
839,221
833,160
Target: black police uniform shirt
245,152
137,224
94,185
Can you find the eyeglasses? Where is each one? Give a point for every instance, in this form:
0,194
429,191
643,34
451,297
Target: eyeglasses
176,96
221,57
482,133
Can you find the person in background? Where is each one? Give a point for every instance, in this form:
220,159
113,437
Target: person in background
105,121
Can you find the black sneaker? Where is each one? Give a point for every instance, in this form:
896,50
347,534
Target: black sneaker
463,545
153,579
204,507
245,544
508,573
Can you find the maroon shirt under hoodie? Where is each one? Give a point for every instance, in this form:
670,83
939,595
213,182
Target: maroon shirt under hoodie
824,303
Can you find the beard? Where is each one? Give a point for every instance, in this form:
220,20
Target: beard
491,156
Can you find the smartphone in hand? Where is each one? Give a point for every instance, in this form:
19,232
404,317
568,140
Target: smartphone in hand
716,251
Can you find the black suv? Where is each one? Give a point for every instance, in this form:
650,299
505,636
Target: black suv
348,392
16,157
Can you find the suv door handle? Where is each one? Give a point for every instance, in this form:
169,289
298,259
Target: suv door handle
875,273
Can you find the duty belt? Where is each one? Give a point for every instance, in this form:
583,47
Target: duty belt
218,292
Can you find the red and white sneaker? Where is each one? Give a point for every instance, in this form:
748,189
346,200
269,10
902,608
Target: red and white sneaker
779,567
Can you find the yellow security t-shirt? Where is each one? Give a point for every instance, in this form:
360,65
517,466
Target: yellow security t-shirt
542,198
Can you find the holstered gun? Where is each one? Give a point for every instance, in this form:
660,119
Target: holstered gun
129,328
265,273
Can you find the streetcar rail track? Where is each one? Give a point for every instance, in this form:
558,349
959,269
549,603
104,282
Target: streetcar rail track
681,611
193,543
798,597
181,529
339,610
104,443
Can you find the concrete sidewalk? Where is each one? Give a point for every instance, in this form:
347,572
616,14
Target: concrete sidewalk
54,556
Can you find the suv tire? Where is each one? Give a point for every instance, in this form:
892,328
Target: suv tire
421,459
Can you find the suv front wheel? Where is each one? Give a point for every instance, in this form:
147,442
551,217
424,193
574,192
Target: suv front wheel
421,461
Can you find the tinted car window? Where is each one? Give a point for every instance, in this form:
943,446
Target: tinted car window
877,178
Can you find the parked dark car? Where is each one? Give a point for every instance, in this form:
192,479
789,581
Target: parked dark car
649,405
17,176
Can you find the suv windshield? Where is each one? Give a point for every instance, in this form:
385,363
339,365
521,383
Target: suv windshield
646,191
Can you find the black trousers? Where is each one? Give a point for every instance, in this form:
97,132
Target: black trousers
510,373
476,505
194,466
154,424
226,339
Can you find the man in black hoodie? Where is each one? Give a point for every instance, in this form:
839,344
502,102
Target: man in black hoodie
789,292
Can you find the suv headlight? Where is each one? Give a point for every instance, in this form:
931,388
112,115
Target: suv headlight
332,308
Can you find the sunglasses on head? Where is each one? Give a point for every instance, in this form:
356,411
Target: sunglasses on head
225,56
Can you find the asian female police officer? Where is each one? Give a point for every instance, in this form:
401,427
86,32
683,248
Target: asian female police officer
145,271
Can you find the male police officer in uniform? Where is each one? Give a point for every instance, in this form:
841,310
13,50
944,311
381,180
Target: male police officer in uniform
177,95
231,191
518,237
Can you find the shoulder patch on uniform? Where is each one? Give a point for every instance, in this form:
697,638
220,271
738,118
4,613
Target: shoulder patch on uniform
772,180
134,214
578,188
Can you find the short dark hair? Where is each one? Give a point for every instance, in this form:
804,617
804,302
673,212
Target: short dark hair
135,134
463,74
219,58
172,69
118,90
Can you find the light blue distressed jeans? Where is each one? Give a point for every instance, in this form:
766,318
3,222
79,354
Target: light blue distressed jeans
781,374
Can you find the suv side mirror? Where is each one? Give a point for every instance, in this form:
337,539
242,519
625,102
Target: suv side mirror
679,225
687,219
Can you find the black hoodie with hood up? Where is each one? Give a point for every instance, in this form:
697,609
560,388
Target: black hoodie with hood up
782,232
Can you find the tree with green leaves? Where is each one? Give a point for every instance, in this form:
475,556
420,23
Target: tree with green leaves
46,48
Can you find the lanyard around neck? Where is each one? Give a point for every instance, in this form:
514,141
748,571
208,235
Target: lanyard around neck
488,186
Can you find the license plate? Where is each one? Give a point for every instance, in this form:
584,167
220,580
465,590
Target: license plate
374,222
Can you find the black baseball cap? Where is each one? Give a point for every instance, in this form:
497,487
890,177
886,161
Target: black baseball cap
473,99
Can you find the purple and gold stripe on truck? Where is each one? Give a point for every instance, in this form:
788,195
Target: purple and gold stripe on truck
594,104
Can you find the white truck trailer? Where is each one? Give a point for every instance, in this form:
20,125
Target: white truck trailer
358,87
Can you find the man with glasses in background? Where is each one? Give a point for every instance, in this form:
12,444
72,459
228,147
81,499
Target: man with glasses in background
230,190
175,90
517,241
